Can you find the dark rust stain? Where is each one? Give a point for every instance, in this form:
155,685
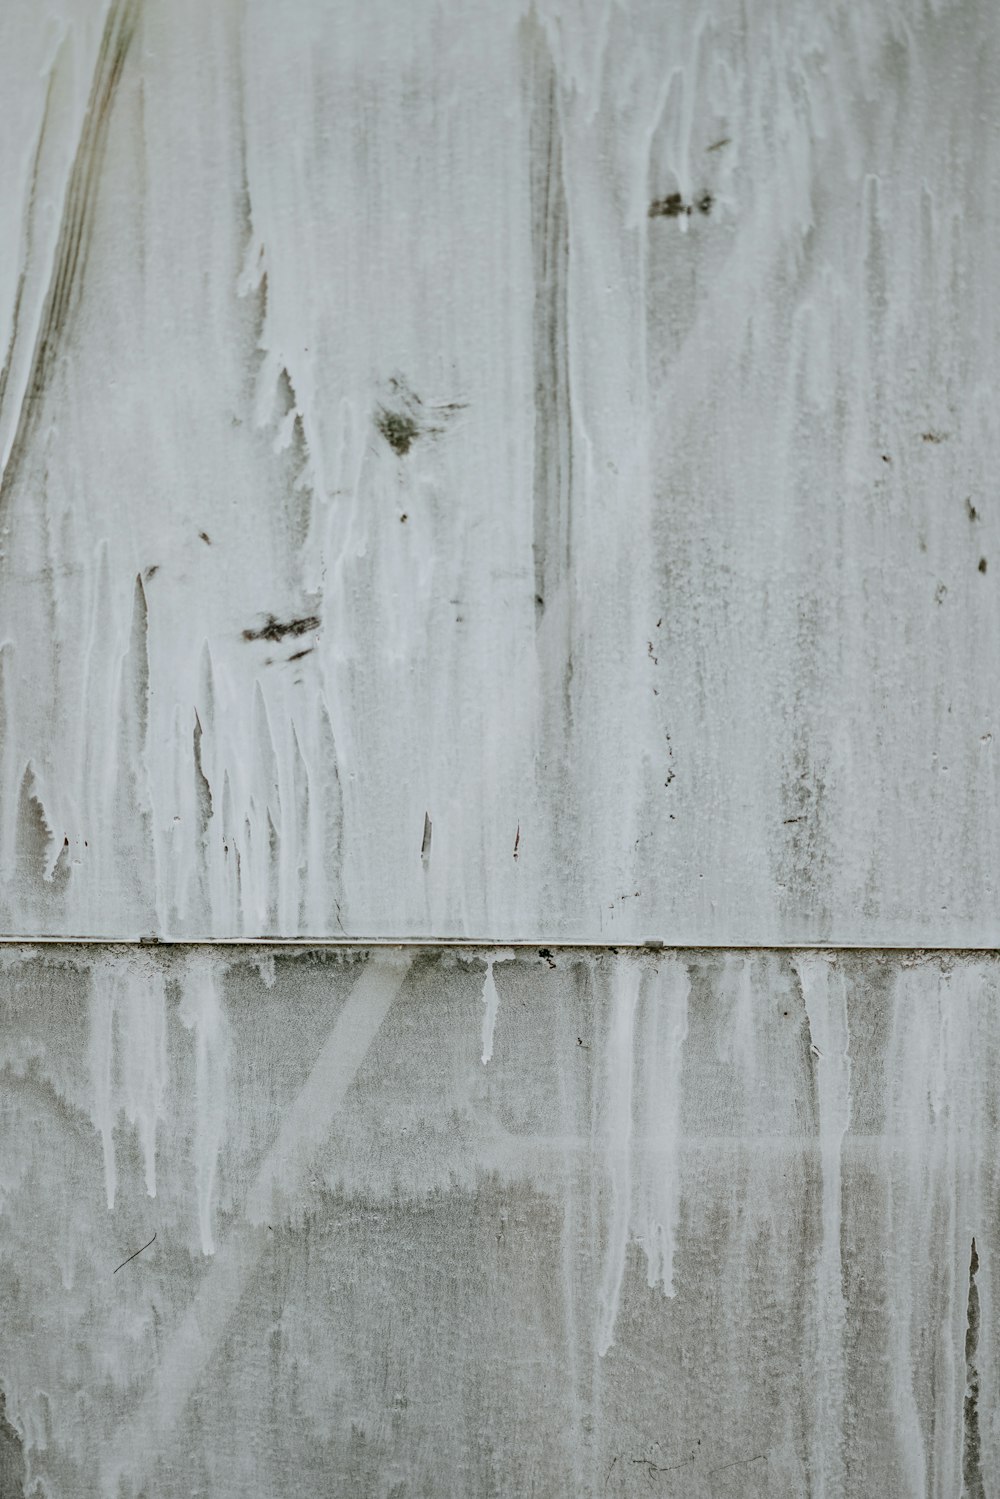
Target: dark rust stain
277,630
398,428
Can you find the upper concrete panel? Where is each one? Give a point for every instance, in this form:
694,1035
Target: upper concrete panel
480,473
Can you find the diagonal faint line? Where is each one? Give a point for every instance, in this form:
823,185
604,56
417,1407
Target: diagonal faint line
305,1125
134,1256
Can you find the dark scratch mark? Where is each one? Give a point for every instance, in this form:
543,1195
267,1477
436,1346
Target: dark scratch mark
543,952
205,538
718,145
152,571
934,437
133,1256
789,820
76,225
651,1467
737,1462
517,842
299,654
972,1471
276,630
425,844
971,510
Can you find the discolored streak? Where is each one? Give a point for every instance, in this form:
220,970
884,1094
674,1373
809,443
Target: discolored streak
73,243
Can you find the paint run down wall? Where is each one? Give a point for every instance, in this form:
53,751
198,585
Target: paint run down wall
517,472
473,469
435,1224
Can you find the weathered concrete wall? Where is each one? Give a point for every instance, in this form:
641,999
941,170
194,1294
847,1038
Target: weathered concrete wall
501,469
698,1225
658,548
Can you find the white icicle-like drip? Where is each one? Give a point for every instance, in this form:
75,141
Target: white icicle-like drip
639,1131
201,1010
127,1057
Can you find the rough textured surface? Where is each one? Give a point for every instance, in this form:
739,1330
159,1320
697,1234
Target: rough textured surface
704,1225
498,470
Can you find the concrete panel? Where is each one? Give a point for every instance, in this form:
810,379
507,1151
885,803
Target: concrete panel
424,1223
500,470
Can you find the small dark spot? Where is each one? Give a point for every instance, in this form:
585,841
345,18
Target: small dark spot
659,622
982,564
299,654
788,820
149,941
580,1042
205,538
934,437
398,428
517,842
718,145
940,593
670,207
276,630
970,508
544,952
785,1013
403,518
152,571
705,203
886,458
65,843
425,843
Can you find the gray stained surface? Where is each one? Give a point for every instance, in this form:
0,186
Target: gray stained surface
703,1225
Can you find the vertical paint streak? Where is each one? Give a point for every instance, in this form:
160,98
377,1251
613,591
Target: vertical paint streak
201,1011
491,1000
617,1144
101,1060
661,1052
972,1470
824,995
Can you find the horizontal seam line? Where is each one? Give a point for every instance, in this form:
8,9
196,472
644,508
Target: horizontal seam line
479,943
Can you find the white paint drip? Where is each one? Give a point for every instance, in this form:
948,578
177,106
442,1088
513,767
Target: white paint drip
491,1000
127,1057
825,998
617,1144
201,1011
641,1128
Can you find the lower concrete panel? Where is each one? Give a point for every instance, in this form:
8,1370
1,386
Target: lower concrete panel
428,1223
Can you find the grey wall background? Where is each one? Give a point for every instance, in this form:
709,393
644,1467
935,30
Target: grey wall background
525,476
